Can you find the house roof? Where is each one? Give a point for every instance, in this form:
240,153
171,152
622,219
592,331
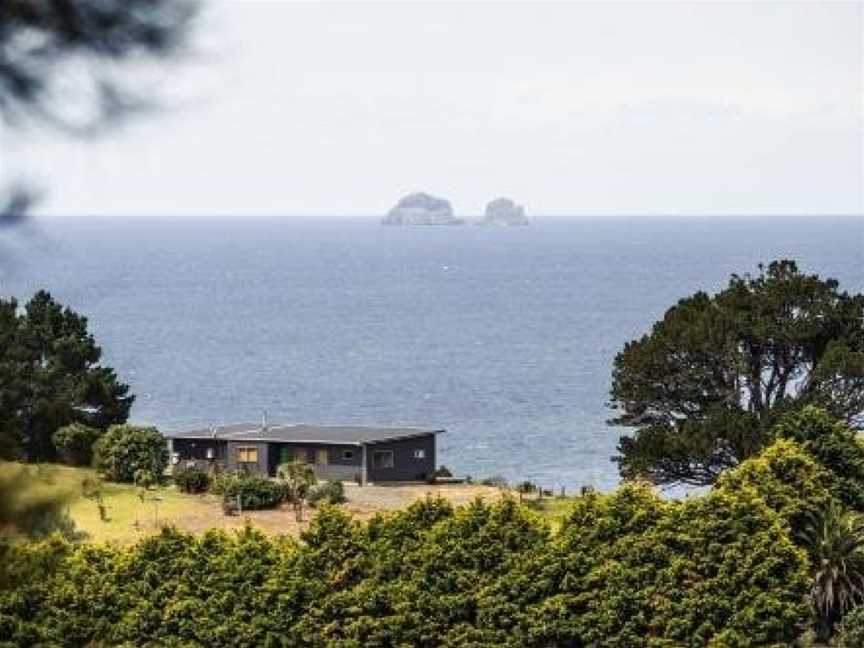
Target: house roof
302,433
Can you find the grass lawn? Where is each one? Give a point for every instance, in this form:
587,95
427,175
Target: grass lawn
129,519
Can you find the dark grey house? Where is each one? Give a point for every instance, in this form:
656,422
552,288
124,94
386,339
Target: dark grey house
339,452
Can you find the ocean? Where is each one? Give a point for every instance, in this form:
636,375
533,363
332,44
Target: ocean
505,337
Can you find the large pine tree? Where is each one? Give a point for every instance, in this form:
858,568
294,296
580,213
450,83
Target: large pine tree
51,376
703,388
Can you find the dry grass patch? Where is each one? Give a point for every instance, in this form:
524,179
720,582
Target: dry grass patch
129,518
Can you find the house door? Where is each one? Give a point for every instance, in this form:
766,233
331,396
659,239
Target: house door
285,455
321,457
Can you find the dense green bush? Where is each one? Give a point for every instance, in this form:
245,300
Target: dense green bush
31,504
254,491
815,467
191,479
125,449
788,479
627,570
330,492
851,633
834,445
74,444
717,570
443,472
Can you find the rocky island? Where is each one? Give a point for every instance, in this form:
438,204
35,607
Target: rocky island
503,211
421,209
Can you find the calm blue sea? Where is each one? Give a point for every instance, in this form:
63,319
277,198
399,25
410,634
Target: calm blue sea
503,336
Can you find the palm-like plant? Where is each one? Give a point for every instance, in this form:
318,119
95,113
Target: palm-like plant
299,477
834,538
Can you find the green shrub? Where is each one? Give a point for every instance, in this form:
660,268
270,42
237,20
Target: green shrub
441,473
330,492
254,491
786,477
627,569
125,449
834,445
74,444
708,571
220,481
191,479
851,634
527,487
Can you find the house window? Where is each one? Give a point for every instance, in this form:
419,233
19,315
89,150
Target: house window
247,454
382,459
300,455
347,454
419,453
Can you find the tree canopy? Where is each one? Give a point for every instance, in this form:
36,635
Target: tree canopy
703,388
61,62
51,376
41,41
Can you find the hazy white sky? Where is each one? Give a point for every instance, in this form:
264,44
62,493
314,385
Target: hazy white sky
582,108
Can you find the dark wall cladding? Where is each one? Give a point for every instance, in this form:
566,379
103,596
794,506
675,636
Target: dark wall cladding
410,459
343,462
407,465
198,449
262,463
309,452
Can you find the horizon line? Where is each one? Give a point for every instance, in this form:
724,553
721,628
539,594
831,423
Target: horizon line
376,216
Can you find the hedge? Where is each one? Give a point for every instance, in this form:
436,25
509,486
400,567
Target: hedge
628,569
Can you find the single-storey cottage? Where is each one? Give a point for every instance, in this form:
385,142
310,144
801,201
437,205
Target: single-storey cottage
338,452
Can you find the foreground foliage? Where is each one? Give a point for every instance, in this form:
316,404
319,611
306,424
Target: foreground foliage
835,541
627,569
31,505
851,633
40,42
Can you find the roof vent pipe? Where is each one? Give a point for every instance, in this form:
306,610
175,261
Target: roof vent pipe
264,420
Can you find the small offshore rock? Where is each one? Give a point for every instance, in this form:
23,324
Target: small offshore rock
421,209
503,211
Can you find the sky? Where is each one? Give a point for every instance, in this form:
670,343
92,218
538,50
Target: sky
330,109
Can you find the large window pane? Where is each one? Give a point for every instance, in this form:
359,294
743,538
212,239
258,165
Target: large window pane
382,459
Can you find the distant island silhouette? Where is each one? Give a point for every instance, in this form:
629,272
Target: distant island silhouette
421,208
